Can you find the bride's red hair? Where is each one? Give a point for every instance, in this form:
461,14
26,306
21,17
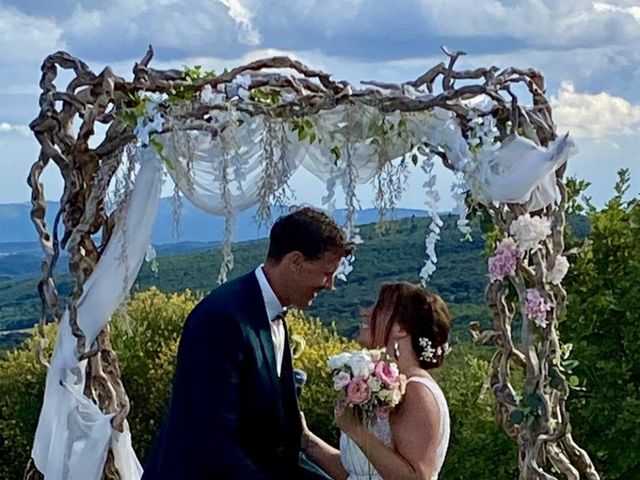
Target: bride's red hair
421,313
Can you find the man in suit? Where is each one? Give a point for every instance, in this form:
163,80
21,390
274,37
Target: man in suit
233,412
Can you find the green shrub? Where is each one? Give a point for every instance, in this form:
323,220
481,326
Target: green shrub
478,447
145,338
603,287
22,380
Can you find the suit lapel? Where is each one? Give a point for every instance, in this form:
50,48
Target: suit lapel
288,385
257,315
268,351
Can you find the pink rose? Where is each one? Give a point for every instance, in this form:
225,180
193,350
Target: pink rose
341,380
386,373
358,391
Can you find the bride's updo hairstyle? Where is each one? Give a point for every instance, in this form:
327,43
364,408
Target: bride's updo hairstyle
422,314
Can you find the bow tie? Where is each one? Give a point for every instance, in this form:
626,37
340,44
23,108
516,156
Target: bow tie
281,316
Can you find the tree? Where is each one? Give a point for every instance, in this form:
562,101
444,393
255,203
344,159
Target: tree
478,447
602,320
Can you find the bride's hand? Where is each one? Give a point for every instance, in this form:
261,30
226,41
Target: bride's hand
347,420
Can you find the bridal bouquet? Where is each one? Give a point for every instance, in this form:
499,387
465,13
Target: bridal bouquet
368,380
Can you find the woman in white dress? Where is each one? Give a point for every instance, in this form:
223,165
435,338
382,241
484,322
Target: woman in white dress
413,325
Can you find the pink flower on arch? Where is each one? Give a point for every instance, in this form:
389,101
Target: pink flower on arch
536,307
505,260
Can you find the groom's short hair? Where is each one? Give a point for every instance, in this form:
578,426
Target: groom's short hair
308,231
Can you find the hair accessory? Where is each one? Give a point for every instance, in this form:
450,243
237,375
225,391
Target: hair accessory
429,354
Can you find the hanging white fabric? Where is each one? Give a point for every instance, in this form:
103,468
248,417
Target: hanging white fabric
73,435
522,172
199,169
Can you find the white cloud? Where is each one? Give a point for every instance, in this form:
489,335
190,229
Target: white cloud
19,129
536,22
595,116
102,31
24,37
378,30
243,18
633,10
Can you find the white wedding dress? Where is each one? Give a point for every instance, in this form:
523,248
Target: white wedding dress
357,464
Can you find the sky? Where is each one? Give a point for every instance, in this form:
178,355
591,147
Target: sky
587,51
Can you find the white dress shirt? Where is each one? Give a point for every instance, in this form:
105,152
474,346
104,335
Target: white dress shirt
273,307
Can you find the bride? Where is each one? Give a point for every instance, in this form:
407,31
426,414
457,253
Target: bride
413,325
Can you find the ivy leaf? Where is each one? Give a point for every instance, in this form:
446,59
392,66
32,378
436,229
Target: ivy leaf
335,150
157,145
534,401
570,364
517,417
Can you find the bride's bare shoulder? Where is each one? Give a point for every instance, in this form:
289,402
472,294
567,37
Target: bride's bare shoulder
418,405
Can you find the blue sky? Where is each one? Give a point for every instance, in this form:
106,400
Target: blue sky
587,51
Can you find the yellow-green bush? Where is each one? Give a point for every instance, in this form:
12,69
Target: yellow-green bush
21,390
145,338
478,448
318,397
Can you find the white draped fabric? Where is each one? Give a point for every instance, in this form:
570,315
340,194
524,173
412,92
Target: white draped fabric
234,163
522,172
73,434
226,174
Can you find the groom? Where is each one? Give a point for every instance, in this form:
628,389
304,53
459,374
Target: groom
233,412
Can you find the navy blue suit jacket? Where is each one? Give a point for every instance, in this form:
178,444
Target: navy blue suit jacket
230,416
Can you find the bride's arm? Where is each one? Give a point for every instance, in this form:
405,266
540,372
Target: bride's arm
415,428
322,454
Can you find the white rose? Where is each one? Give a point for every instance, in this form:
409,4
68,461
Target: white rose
530,231
559,270
341,380
361,365
395,396
336,362
376,355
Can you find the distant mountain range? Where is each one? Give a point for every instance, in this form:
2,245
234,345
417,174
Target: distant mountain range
20,253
